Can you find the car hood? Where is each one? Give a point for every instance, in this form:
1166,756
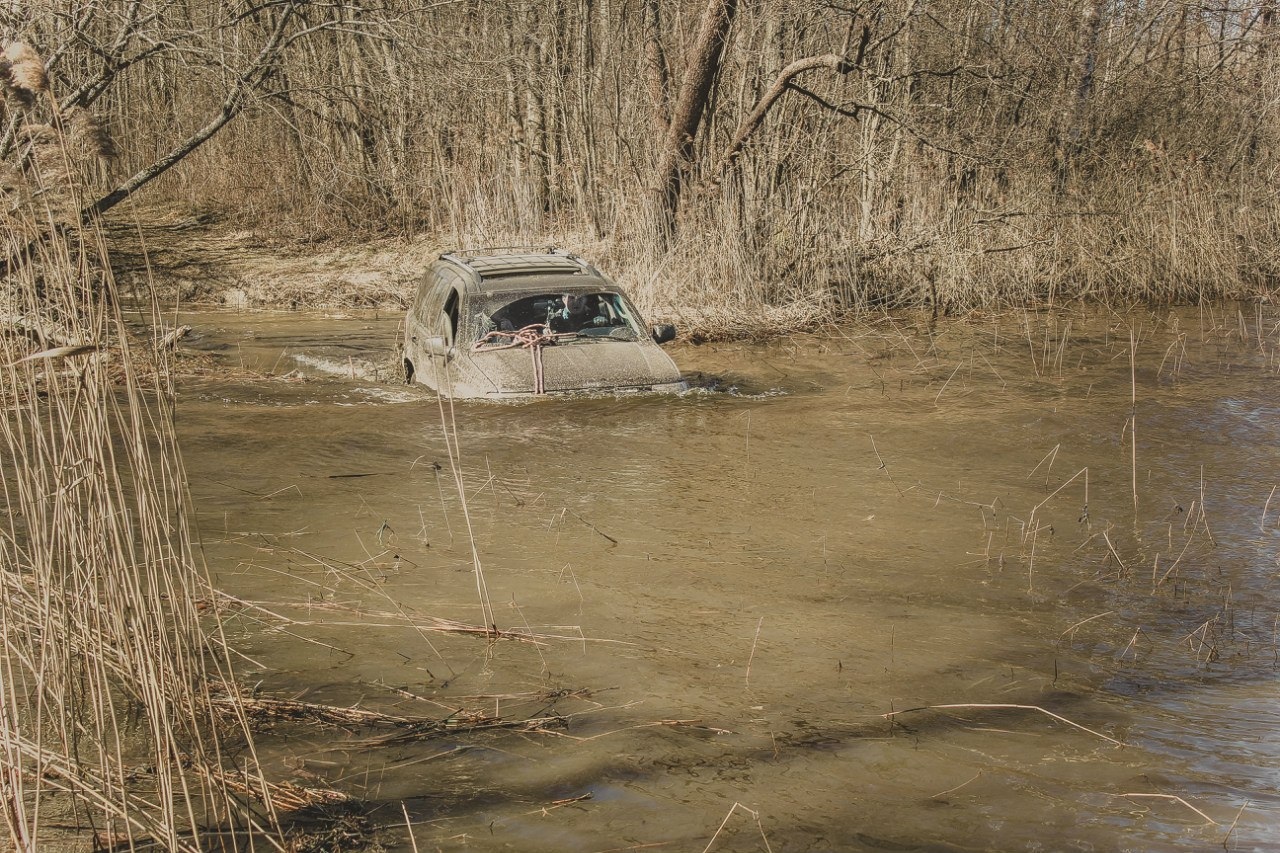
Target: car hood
578,366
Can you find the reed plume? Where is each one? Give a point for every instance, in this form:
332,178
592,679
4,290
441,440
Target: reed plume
25,73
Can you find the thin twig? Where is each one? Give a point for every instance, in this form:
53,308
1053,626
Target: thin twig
883,467
1226,838
1172,798
752,656
1002,706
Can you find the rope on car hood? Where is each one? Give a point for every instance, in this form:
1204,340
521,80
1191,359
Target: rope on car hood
532,338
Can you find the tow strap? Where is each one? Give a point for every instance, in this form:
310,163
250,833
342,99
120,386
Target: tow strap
532,338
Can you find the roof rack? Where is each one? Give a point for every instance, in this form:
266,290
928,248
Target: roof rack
515,262
542,249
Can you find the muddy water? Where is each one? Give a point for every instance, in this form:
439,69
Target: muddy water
730,589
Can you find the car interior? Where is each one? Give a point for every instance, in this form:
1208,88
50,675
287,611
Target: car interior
586,314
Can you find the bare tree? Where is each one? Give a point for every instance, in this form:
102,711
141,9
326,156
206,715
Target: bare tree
887,128
677,149
137,38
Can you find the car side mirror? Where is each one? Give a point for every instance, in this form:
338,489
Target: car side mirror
664,332
437,345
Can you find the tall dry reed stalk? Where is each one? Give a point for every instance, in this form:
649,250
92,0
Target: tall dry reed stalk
118,717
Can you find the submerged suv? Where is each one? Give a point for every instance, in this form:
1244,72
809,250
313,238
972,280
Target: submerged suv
502,325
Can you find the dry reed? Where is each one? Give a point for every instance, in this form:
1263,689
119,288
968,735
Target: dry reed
1004,707
108,671
89,133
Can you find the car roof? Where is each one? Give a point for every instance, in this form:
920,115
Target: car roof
515,271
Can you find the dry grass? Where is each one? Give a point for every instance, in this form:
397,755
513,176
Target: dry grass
22,72
882,188
1184,244
107,719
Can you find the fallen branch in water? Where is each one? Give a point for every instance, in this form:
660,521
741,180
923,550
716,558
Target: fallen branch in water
423,623
268,711
288,796
171,338
1003,707
592,526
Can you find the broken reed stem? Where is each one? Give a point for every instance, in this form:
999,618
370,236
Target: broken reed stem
971,779
1049,457
1031,520
1114,553
883,467
752,656
1031,564
755,815
1005,707
1084,622
1204,516
1227,838
1171,798
449,427
408,825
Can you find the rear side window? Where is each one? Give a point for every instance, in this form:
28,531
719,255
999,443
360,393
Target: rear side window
422,300
437,303
451,313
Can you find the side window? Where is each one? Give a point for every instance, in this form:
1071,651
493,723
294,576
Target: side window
422,302
451,313
430,301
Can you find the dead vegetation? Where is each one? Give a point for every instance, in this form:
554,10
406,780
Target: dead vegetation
878,154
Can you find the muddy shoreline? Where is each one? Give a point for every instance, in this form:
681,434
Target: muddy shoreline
200,261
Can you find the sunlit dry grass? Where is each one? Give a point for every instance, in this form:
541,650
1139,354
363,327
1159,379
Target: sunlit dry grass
108,667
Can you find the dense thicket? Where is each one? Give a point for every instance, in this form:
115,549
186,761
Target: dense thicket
905,151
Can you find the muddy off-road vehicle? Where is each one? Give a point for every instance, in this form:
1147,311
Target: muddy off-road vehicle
526,322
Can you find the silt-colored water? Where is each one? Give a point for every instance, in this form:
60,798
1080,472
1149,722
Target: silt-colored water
732,588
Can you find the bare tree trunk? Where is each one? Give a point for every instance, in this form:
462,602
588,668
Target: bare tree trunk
695,91
1266,47
655,66
1086,66
537,153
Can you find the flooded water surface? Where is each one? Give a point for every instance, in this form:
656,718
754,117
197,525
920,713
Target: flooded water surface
1005,584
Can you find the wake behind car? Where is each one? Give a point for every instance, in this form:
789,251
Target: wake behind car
525,323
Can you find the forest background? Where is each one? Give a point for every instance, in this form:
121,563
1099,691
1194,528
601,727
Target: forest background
796,157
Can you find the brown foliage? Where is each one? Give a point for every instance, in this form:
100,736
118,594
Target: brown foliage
968,156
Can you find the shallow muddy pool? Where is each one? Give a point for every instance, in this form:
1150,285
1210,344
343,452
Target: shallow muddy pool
1005,584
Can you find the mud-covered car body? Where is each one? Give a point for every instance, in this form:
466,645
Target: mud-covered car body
525,323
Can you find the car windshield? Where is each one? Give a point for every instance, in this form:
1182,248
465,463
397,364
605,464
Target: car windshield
585,316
